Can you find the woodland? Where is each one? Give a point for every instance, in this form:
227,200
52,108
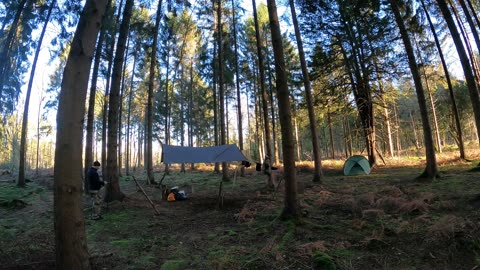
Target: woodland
307,83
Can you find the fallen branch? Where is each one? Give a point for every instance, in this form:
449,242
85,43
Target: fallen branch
144,193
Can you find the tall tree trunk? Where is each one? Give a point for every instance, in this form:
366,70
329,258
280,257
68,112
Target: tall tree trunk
129,112
438,141
8,43
388,124
350,138
291,207
431,170
120,112
190,112
167,105
469,19
91,101
70,238
264,98
381,96
215,95
270,93
113,188
237,84
414,128
362,91
467,69
151,81
330,133
466,38
297,139
434,115
458,130
221,94
38,133
106,101
398,142
23,138
308,96
474,12
182,111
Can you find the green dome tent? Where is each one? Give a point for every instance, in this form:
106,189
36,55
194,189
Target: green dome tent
356,165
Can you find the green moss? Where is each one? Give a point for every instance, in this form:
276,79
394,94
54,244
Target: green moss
226,257
121,243
119,217
289,234
231,233
174,265
7,233
323,261
8,194
145,262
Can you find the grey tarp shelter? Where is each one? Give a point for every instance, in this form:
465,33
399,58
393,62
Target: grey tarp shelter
356,165
212,154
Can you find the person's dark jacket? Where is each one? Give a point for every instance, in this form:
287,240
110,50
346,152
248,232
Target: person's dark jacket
94,182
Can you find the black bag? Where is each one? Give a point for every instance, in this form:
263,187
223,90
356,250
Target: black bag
180,195
258,167
246,163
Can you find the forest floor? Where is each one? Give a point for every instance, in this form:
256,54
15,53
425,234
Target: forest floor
385,220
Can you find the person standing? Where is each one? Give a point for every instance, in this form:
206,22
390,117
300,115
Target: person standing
95,184
266,166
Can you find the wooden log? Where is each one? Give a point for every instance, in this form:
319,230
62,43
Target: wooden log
146,196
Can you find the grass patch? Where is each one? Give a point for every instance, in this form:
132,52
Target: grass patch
122,243
227,257
323,261
10,196
334,230
288,236
174,265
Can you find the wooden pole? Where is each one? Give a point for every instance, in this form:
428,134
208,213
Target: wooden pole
148,198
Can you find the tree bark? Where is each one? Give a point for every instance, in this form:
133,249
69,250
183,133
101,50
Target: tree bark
4,54
38,133
23,138
167,105
215,96
221,91
91,101
431,170
264,97
330,133
467,69
129,112
474,13
291,206
359,75
113,191
459,134
474,33
151,81
70,239
308,96
237,84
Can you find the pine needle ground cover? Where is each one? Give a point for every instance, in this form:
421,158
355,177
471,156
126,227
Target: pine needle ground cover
385,220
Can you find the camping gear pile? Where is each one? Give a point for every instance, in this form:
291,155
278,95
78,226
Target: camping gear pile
176,194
